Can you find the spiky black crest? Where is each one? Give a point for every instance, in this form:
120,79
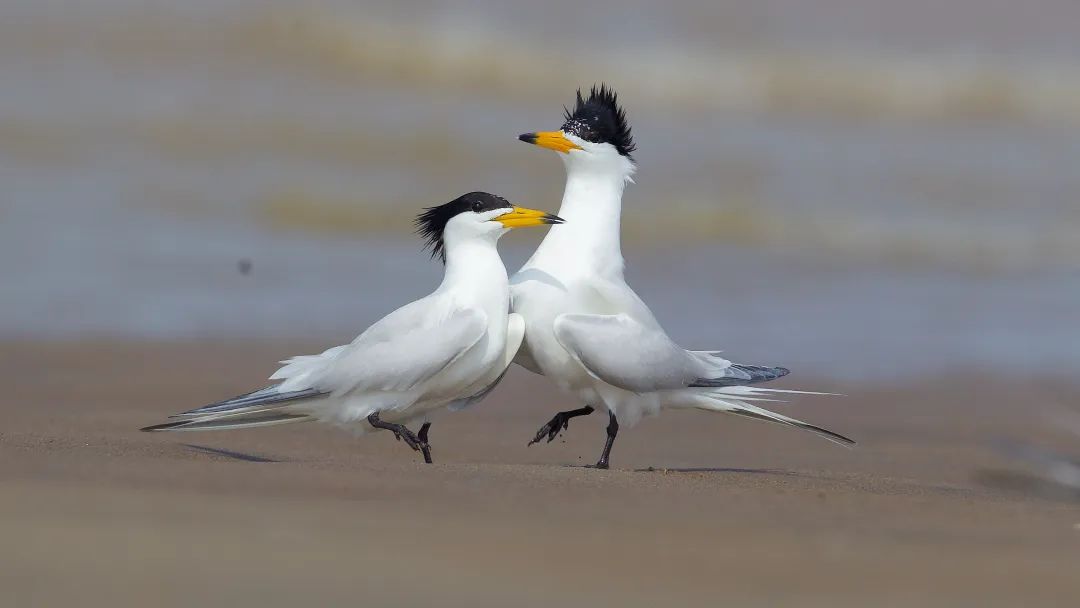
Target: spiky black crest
431,223
600,119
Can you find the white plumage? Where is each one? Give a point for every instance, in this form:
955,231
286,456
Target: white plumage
585,328
447,349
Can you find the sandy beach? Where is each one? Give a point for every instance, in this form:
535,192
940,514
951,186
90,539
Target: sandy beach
699,509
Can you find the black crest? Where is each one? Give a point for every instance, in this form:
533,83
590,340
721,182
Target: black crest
431,223
600,119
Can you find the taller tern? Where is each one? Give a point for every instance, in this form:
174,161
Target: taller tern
585,328
448,349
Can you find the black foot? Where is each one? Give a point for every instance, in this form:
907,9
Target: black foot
425,447
612,432
560,422
402,433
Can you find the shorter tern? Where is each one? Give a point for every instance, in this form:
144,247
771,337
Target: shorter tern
448,349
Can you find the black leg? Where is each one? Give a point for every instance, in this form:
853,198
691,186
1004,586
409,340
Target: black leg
399,430
425,448
612,431
560,422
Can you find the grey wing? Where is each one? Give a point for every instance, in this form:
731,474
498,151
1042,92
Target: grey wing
380,360
625,353
727,373
461,404
403,360
515,333
642,358
636,322
402,320
261,399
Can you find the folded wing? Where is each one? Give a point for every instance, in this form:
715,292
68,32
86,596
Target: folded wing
377,361
403,360
625,353
640,357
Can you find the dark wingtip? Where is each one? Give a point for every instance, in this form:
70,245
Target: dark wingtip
162,427
847,442
753,375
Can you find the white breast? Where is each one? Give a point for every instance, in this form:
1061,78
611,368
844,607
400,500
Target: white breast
540,302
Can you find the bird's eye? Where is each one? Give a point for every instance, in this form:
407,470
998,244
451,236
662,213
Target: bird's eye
476,207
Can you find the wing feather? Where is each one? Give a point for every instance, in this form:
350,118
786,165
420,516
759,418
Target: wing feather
640,357
627,354
401,360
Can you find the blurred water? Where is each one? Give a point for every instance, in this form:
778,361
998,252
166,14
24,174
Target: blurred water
864,189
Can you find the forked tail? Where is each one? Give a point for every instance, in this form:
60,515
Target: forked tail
736,400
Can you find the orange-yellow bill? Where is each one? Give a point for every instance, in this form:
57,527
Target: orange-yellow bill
520,217
552,140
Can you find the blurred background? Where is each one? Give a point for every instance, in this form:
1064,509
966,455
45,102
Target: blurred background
883,196
865,190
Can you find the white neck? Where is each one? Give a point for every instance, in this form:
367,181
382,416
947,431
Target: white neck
475,275
592,207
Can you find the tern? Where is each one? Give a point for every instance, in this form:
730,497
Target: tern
585,328
448,349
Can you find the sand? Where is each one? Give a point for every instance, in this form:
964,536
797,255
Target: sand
700,509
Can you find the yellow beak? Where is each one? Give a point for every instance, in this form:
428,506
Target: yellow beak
521,217
552,140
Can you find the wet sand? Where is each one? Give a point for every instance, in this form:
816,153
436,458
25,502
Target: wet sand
700,510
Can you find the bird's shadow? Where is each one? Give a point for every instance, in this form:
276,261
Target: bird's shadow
775,472
229,453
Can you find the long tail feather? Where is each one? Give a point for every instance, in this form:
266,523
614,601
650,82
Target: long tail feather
226,423
264,407
744,392
817,430
721,401
262,397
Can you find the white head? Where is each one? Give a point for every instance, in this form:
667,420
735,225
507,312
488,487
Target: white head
595,138
476,216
